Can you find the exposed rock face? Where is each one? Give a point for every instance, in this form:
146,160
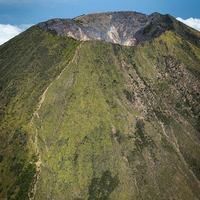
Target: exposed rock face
125,28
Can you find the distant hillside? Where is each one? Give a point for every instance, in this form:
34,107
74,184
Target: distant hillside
92,119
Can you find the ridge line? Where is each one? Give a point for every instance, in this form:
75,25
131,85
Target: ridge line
42,98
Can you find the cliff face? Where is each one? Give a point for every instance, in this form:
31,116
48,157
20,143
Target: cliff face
125,28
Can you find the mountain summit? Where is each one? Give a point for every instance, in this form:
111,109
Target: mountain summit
125,28
102,106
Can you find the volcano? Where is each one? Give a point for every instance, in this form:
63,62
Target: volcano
102,106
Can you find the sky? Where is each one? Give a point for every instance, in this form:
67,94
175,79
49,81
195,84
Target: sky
18,15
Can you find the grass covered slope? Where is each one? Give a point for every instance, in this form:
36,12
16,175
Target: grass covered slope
122,123
28,64
94,120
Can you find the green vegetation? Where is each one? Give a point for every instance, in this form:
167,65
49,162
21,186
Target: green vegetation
102,131
101,188
23,184
28,64
53,32
142,140
148,28
167,145
120,136
1,158
162,117
129,95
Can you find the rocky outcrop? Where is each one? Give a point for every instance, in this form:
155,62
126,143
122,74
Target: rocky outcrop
125,28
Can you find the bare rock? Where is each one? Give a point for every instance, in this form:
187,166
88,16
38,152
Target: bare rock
125,28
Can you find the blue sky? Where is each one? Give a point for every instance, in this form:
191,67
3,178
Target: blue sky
24,13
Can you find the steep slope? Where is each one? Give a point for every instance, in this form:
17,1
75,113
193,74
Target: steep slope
121,123
28,64
114,122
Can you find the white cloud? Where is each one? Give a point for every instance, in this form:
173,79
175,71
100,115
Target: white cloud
8,31
192,22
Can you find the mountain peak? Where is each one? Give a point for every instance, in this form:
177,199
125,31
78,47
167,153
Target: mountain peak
124,27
